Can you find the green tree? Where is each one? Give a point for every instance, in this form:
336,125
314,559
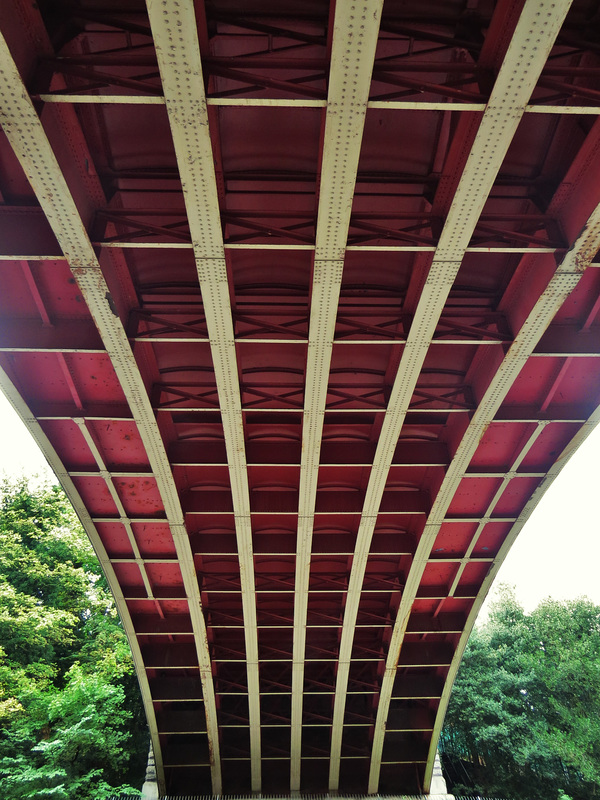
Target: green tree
524,717
71,720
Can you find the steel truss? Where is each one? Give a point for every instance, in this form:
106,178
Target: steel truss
301,304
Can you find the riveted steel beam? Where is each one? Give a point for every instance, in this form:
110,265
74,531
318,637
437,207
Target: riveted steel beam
355,33
566,277
178,53
31,146
411,374
531,42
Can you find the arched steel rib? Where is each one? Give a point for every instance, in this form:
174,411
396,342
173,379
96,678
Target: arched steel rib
585,235
178,53
533,38
538,494
567,276
355,33
63,475
28,139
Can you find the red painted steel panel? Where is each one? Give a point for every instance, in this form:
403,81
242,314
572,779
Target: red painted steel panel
317,368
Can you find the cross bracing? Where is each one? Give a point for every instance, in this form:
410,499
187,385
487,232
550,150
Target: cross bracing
301,303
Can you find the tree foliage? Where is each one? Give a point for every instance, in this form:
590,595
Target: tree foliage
71,720
524,717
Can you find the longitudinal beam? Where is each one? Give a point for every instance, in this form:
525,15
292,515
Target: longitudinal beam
178,53
533,38
355,33
526,55
567,276
30,144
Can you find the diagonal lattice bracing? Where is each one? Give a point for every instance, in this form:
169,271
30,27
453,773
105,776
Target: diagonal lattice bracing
323,352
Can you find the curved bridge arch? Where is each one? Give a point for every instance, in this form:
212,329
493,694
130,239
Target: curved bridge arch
301,304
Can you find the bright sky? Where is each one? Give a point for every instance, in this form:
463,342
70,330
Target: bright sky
19,454
557,553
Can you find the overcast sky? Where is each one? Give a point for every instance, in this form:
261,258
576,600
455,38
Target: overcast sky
557,554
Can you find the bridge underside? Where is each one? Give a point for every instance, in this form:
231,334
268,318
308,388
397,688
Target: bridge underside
299,299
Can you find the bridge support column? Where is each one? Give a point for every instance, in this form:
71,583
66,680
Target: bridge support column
439,790
150,787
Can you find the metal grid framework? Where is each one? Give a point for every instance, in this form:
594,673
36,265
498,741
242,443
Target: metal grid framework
300,301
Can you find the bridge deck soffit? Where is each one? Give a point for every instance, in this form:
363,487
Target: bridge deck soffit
302,306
